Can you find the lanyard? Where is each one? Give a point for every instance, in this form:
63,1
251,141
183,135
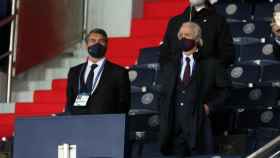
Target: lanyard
96,78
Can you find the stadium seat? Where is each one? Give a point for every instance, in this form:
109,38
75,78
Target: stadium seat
234,11
245,75
256,51
254,97
257,29
148,55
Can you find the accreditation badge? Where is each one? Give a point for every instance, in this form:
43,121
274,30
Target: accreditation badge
81,100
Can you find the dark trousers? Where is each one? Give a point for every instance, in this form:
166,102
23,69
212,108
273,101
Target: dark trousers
181,142
181,147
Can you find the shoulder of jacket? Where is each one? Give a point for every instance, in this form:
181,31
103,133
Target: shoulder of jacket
209,61
76,68
116,67
177,19
218,17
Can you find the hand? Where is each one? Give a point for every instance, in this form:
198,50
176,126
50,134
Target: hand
206,109
275,29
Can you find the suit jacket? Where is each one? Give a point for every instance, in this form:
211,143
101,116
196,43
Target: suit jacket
212,89
276,50
216,35
112,94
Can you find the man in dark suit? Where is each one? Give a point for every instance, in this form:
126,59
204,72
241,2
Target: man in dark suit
97,86
218,42
190,89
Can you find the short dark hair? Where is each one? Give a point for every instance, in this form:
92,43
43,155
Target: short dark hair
98,31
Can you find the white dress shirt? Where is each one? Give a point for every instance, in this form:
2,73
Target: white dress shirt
96,71
199,8
184,64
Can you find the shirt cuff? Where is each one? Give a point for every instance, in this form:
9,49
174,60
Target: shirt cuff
277,40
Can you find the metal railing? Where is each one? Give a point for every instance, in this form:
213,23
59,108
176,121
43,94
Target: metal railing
85,19
270,150
11,53
3,56
12,20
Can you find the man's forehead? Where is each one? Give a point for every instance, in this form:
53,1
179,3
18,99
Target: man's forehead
96,35
186,29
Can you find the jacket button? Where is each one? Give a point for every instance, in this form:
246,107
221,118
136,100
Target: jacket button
181,104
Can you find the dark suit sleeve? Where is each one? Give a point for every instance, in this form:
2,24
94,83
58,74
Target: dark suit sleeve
165,46
225,44
276,50
221,88
70,94
124,92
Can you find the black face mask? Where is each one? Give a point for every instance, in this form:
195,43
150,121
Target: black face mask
187,44
97,50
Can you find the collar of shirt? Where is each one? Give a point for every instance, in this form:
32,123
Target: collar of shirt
190,57
88,68
199,8
202,12
99,63
184,63
277,40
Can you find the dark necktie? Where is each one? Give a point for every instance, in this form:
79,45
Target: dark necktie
90,77
187,73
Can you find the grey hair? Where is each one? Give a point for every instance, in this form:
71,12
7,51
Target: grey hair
197,32
98,31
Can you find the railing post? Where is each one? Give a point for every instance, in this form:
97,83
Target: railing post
85,20
266,149
9,82
12,49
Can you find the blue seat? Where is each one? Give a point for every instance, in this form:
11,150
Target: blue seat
234,10
145,101
264,10
244,75
257,29
246,97
249,40
144,92
263,51
143,75
253,118
149,55
144,127
271,73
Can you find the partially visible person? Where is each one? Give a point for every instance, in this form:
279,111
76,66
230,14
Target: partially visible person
218,42
275,25
4,47
3,87
97,86
191,89
5,8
